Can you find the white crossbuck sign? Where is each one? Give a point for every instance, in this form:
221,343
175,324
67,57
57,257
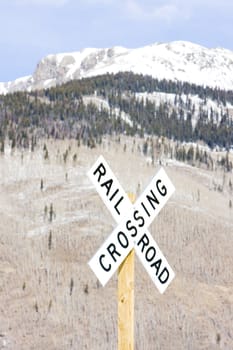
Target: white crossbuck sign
133,221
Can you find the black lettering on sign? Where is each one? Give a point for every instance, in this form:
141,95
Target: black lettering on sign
144,207
117,204
137,218
164,275
112,251
150,254
108,185
101,170
124,243
113,195
102,264
157,265
130,228
152,199
144,241
162,190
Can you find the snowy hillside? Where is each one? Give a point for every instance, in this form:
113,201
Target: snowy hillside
177,61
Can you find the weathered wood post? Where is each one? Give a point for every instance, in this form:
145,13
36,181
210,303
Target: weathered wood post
126,300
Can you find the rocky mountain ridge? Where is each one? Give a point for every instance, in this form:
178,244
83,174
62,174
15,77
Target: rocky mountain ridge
176,61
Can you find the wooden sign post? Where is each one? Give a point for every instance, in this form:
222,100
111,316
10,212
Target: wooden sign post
130,234
126,300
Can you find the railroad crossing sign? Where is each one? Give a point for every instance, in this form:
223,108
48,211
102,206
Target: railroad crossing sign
133,221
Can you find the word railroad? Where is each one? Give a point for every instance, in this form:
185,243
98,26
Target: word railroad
133,221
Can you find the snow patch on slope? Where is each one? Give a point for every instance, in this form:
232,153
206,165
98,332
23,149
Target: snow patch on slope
101,103
160,97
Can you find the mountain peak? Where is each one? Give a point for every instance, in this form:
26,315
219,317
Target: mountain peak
176,60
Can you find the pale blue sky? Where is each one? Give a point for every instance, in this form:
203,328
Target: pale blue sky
31,29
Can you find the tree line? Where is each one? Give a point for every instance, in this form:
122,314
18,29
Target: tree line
61,112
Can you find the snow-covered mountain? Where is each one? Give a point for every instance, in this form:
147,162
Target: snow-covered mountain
177,61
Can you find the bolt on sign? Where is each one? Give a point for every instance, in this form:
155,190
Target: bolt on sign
132,222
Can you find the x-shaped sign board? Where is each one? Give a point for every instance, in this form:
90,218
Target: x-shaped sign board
133,220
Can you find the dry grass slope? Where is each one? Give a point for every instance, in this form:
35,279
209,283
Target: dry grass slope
52,222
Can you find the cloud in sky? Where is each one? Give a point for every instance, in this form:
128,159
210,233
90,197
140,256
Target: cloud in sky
56,3
36,28
98,2
172,10
143,11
